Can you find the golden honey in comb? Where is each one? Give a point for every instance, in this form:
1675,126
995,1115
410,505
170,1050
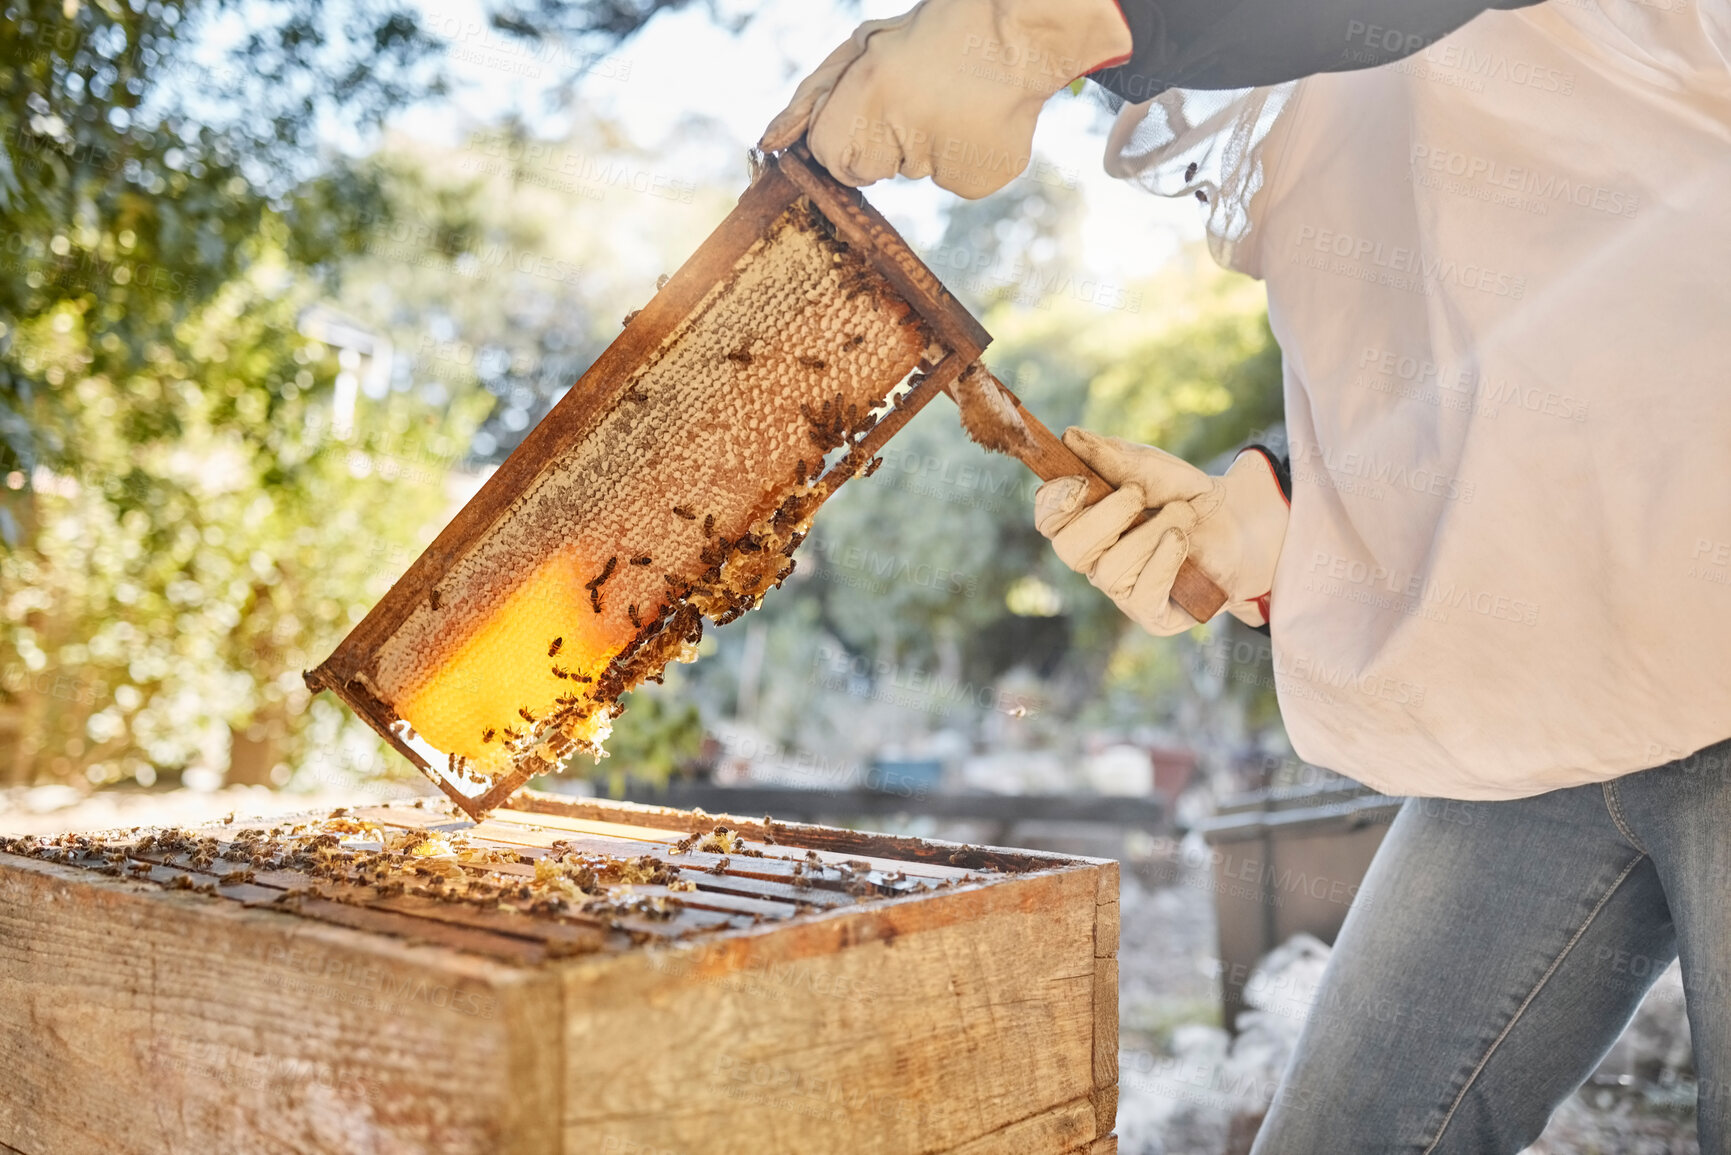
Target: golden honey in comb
502,668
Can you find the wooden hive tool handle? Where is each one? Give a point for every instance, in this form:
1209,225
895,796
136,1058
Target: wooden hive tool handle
996,419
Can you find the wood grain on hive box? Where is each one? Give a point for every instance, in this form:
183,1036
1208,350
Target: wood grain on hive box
926,998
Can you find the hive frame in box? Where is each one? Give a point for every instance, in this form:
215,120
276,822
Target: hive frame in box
957,340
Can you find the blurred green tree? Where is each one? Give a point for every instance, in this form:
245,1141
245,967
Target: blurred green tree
196,506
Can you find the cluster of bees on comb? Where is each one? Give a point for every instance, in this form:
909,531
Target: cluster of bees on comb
740,572
355,861
753,413
352,859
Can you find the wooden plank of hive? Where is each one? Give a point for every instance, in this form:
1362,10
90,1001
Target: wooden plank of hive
138,1019
950,1028
1106,999
1058,1129
914,853
968,1018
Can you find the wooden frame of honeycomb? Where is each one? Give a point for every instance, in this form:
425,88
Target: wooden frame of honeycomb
672,483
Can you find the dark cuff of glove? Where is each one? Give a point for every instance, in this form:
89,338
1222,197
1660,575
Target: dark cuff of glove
1281,467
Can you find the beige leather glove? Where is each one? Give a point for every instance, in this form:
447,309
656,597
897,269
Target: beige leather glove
1233,526
949,89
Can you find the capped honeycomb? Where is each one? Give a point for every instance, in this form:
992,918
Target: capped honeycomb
684,500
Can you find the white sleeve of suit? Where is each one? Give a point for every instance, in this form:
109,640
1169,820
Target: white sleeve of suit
1497,272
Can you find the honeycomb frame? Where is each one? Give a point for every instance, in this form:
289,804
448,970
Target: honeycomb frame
512,522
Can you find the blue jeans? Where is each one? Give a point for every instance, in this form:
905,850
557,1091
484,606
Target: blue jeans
1495,952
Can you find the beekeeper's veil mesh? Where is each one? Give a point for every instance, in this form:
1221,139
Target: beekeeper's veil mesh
1189,140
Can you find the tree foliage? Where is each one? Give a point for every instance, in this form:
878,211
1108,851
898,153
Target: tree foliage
185,530
141,166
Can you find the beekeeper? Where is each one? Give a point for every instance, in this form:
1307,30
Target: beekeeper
1496,246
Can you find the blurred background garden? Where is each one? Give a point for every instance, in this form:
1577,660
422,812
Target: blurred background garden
282,282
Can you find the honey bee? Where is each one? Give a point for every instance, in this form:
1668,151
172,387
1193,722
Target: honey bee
561,672
636,394
872,466
1190,173
553,646
642,559
1201,196
739,356
488,734
681,511
523,712
433,599
709,525
631,612
814,363
511,735
581,678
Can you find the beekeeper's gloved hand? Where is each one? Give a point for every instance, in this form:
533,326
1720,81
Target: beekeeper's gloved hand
1233,527
949,89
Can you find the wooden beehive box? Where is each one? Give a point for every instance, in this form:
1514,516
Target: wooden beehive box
818,990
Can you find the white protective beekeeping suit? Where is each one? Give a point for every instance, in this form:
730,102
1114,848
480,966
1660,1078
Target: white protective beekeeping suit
1500,274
